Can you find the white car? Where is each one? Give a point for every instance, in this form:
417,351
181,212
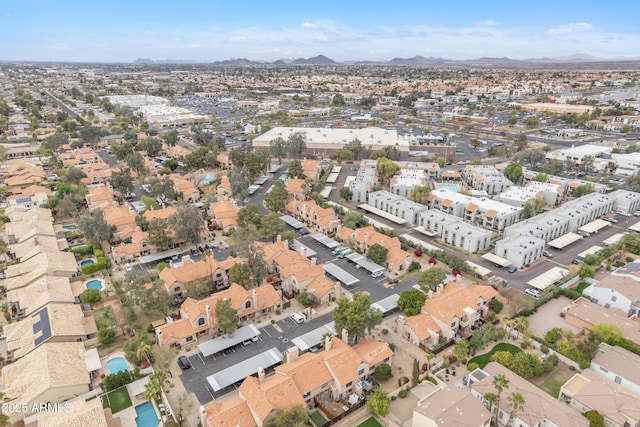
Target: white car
297,317
624,213
127,268
532,292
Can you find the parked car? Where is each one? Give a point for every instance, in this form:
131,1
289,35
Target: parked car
127,268
533,292
547,254
297,317
624,213
246,343
577,261
583,233
184,363
636,213
512,269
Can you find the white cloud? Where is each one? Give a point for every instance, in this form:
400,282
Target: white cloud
488,23
308,25
215,28
571,28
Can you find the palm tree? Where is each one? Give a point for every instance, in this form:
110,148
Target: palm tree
516,403
143,352
500,382
205,256
490,399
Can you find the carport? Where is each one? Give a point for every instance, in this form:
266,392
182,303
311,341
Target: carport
480,270
425,245
159,256
594,226
292,222
297,246
592,250
421,229
613,239
564,241
305,341
387,305
339,274
223,342
363,262
548,278
382,213
324,240
241,370
498,260
261,180
635,227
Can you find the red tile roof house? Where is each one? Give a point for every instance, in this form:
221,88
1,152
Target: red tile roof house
198,317
362,238
323,219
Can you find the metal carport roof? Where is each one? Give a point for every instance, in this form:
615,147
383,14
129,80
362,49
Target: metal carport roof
635,227
382,213
241,370
564,241
339,274
161,255
480,270
305,341
594,226
387,305
297,246
292,222
324,240
591,250
363,262
548,278
220,343
502,262
613,239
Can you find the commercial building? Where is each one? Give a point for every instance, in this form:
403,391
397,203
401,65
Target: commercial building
521,250
626,201
578,153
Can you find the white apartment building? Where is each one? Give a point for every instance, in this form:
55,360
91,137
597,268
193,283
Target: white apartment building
626,164
618,365
576,154
619,290
435,221
521,250
467,237
486,178
481,211
552,193
364,182
547,226
626,201
518,196
585,209
404,183
395,205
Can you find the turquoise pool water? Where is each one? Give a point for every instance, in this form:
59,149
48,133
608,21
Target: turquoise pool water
206,179
69,227
94,284
87,262
450,187
116,365
146,415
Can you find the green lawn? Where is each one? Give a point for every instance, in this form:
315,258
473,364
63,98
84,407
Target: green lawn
552,384
371,422
483,359
582,286
318,419
117,400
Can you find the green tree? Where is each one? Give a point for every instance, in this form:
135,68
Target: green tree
378,402
297,144
338,100
187,223
198,289
514,172
162,188
94,226
278,197
415,372
272,226
587,270
240,274
431,279
106,335
249,215
515,403
541,177
122,181
582,189
377,253
73,175
227,316
356,316
170,137
90,296
500,383
531,122
256,163
132,345
278,149
411,302
595,418
462,349
420,194
346,193
296,416
152,146
385,169
354,220
257,265
342,155
239,184
295,170
90,135
157,232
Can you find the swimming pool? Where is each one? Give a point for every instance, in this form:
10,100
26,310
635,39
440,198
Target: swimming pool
94,284
450,187
206,179
116,365
146,415
86,262
69,227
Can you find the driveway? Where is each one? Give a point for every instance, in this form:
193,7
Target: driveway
548,317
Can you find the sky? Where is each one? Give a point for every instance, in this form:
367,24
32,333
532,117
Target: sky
346,30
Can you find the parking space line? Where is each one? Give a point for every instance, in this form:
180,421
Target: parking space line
264,330
201,359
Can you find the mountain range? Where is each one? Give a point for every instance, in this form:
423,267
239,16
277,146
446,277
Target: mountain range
414,61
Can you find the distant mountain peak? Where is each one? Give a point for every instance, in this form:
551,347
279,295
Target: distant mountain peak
316,60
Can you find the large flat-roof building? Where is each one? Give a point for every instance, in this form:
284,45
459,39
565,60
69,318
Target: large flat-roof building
626,201
521,250
486,178
547,226
396,205
618,365
364,181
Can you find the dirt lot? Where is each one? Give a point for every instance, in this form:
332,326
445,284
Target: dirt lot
548,317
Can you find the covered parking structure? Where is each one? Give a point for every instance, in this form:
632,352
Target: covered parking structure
300,248
635,227
363,262
292,222
548,278
261,180
613,239
382,214
239,371
388,305
159,256
339,274
223,342
564,241
497,260
313,338
325,241
416,241
480,270
594,226
592,250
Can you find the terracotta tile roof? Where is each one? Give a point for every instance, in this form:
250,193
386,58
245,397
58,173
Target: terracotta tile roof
275,392
295,186
446,203
270,250
574,184
451,175
431,197
179,329
372,352
225,184
397,256
491,213
301,269
472,207
342,361
267,297
119,216
454,298
224,212
164,213
308,372
232,413
419,324
320,286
